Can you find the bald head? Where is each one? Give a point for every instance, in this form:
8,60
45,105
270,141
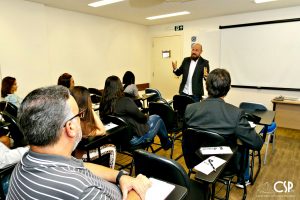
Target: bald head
196,51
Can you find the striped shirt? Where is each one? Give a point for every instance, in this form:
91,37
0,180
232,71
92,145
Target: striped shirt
43,177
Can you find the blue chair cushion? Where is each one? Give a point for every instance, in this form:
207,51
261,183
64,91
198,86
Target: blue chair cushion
271,128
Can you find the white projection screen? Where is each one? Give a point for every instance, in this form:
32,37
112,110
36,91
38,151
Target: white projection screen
262,55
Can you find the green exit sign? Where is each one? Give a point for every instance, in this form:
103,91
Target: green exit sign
178,28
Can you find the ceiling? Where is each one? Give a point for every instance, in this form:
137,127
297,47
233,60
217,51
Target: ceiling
135,11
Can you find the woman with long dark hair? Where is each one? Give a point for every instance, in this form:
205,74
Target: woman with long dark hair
91,125
8,88
114,102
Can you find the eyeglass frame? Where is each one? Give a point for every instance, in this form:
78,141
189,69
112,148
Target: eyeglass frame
81,115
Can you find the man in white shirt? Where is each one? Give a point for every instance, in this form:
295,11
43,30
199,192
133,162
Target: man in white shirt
193,69
9,157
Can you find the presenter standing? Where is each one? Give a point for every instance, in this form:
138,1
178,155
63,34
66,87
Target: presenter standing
193,69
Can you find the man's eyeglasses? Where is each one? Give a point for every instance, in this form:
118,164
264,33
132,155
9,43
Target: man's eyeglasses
81,115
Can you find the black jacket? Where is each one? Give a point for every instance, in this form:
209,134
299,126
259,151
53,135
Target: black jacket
197,80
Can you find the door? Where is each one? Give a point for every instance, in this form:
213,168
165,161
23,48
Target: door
163,77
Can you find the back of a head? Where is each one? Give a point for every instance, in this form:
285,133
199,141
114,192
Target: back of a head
65,80
43,113
218,83
113,87
113,90
82,97
128,78
6,85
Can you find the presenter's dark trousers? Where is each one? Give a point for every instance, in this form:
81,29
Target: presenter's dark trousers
197,98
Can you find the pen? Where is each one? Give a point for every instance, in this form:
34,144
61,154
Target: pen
210,162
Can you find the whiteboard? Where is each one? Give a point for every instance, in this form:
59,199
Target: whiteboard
262,56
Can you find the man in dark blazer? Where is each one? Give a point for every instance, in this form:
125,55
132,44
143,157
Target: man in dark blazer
214,114
193,70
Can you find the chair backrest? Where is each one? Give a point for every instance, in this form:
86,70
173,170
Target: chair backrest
123,138
249,106
155,97
9,108
96,99
3,174
95,91
180,102
152,165
14,130
166,112
193,139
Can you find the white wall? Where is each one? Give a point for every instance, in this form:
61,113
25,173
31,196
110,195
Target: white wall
39,43
207,32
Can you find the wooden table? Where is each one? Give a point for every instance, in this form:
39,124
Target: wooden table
287,113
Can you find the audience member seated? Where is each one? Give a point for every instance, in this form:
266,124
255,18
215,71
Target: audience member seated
5,139
114,102
49,118
9,157
130,88
8,88
91,124
66,80
214,114
129,84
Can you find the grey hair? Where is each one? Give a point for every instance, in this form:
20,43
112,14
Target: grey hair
43,113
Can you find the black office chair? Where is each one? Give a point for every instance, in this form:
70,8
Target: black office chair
155,97
96,96
9,108
3,174
269,130
152,165
96,99
122,140
180,102
14,130
169,116
95,91
193,140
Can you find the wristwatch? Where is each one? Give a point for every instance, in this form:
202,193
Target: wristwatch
120,174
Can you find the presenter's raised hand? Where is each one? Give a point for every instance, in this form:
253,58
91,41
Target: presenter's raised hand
205,72
174,64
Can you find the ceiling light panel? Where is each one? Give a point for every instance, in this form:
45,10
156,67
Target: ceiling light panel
168,15
103,3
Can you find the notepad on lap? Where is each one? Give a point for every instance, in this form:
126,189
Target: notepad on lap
159,190
215,150
110,126
206,168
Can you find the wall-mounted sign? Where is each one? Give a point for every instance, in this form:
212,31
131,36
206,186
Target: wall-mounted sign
166,54
178,28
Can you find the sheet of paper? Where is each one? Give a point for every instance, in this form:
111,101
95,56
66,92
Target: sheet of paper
159,190
206,168
252,124
110,126
216,150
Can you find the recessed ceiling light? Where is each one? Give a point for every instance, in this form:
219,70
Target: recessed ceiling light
263,1
168,15
103,3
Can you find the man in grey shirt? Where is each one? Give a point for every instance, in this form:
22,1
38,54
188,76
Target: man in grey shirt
49,118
